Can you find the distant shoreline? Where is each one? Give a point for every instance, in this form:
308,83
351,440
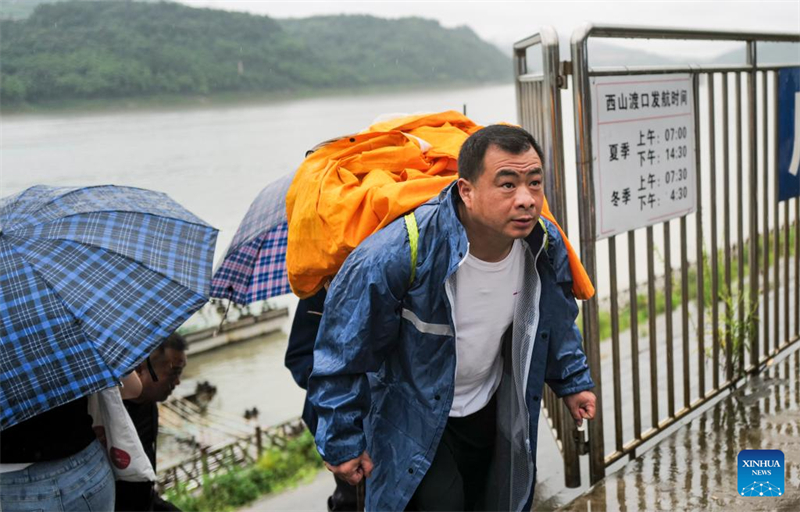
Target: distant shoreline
220,99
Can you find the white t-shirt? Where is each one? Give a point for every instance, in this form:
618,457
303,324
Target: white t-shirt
485,299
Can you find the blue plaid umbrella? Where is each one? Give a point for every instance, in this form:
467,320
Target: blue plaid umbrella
254,266
91,280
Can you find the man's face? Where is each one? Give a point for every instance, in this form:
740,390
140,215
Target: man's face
506,199
168,367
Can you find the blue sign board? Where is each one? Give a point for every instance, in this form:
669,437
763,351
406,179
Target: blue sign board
788,133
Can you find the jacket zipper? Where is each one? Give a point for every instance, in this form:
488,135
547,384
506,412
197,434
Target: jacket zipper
537,299
448,288
528,358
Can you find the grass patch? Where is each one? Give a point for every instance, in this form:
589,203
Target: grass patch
732,297
278,468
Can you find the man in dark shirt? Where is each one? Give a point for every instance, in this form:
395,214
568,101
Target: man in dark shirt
160,373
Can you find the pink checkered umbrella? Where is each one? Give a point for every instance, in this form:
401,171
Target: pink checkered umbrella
254,266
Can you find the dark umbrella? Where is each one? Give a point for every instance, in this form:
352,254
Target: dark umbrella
254,266
91,280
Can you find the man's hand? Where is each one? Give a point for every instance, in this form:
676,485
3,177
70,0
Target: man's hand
355,470
581,405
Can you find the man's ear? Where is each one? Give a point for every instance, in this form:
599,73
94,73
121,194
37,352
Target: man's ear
465,190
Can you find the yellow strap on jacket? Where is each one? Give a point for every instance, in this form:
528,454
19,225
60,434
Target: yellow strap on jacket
413,243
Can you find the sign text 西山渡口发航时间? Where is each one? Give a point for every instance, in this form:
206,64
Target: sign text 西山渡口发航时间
644,150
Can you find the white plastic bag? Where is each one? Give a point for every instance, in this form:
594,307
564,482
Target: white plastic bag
116,432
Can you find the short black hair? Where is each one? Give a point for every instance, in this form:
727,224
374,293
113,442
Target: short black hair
175,341
511,139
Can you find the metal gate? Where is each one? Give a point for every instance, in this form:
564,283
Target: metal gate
746,307
725,297
538,87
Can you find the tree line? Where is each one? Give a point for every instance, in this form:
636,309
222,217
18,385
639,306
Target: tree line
75,50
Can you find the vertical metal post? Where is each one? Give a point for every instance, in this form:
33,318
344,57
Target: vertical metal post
554,137
652,327
796,268
765,219
583,150
669,311
787,281
740,221
687,380
712,155
701,292
520,68
554,141
204,460
776,232
726,214
753,202
634,319
615,355
786,271
796,208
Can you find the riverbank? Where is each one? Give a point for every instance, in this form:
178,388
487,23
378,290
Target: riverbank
278,469
183,102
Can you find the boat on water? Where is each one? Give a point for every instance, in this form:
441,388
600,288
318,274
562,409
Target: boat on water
244,328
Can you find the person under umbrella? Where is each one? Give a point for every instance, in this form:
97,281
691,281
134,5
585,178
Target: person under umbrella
160,374
254,269
91,280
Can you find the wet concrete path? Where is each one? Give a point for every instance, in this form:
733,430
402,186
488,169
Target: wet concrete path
696,467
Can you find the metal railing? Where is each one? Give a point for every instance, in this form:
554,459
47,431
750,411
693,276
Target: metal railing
225,457
539,112
736,304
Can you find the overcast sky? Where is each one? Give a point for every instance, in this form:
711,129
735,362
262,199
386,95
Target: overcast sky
503,23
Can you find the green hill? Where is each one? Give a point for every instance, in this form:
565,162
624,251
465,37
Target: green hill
75,50
408,50
21,9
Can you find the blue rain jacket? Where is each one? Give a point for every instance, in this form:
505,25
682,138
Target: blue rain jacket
300,348
385,357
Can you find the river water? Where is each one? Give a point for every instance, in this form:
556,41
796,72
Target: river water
214,160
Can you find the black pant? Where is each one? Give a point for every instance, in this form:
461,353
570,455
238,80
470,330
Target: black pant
139,497
134,496
456,479
344,497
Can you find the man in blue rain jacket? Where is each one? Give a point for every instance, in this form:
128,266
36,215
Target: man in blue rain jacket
428,376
